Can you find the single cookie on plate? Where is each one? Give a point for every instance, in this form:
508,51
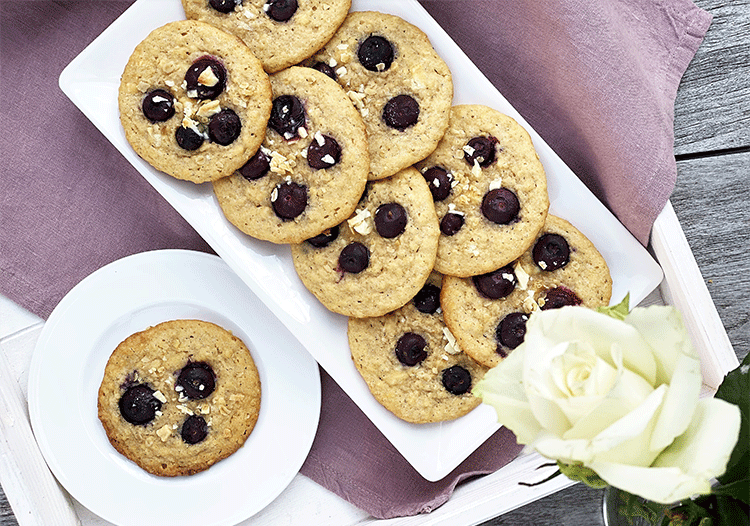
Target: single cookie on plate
179,396
398,82
311,169
281,33
490,191
379,258
411,363
488,313
194,101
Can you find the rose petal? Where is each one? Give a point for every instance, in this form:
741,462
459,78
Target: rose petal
599,330
628,392
502,388
663,329
688,465
706,445
680,402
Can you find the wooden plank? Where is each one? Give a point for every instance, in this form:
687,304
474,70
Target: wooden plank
712,201
712,110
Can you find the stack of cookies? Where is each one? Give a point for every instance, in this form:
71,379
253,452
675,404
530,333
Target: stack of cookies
425,223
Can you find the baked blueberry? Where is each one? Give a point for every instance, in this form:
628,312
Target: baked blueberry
325,68
188,138
401,112
138,405
451,223
410,349
496,284
224,127
224,6
427,300
325,238
354,258
206,78
375,53
290,200
196,380
158,105
500,206
439,181
480,149
256,167
560,297
194,429
456,380
390,220
551,252
511,330
280,10
287,116
324,151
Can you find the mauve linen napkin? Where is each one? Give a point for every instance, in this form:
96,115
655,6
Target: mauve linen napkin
597,79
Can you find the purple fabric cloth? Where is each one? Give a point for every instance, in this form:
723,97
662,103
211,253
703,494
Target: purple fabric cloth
596,79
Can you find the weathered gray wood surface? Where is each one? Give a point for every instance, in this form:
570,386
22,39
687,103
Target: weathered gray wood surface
712,201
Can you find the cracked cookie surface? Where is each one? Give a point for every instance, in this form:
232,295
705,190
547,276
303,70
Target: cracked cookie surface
489,328
194,101
401,86
179,396
311,169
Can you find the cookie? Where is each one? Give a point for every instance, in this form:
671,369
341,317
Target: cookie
398,82
490,191
488,313
311,169
180,396
411,363
194,101
379,258
281,33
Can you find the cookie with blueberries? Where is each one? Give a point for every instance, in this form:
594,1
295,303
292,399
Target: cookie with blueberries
280,33
194,101
401,86
488,313
490,191
411,362
311,169
179,396
380,257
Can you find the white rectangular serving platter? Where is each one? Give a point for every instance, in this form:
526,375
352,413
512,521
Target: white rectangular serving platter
91,81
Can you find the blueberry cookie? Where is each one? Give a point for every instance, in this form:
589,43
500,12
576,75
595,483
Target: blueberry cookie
281,33
180,396
398,82
194,101
488,313
411,363
311,169
490,191
379,258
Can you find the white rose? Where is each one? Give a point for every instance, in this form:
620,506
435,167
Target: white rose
619,397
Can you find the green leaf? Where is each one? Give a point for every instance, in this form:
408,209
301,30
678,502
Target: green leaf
579,472
735,389
738,490
619,311
732,512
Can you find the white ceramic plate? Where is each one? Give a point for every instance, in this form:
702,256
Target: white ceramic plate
67,367
91,81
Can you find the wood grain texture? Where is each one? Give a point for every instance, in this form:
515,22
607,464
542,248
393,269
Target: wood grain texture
712,110
712,201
